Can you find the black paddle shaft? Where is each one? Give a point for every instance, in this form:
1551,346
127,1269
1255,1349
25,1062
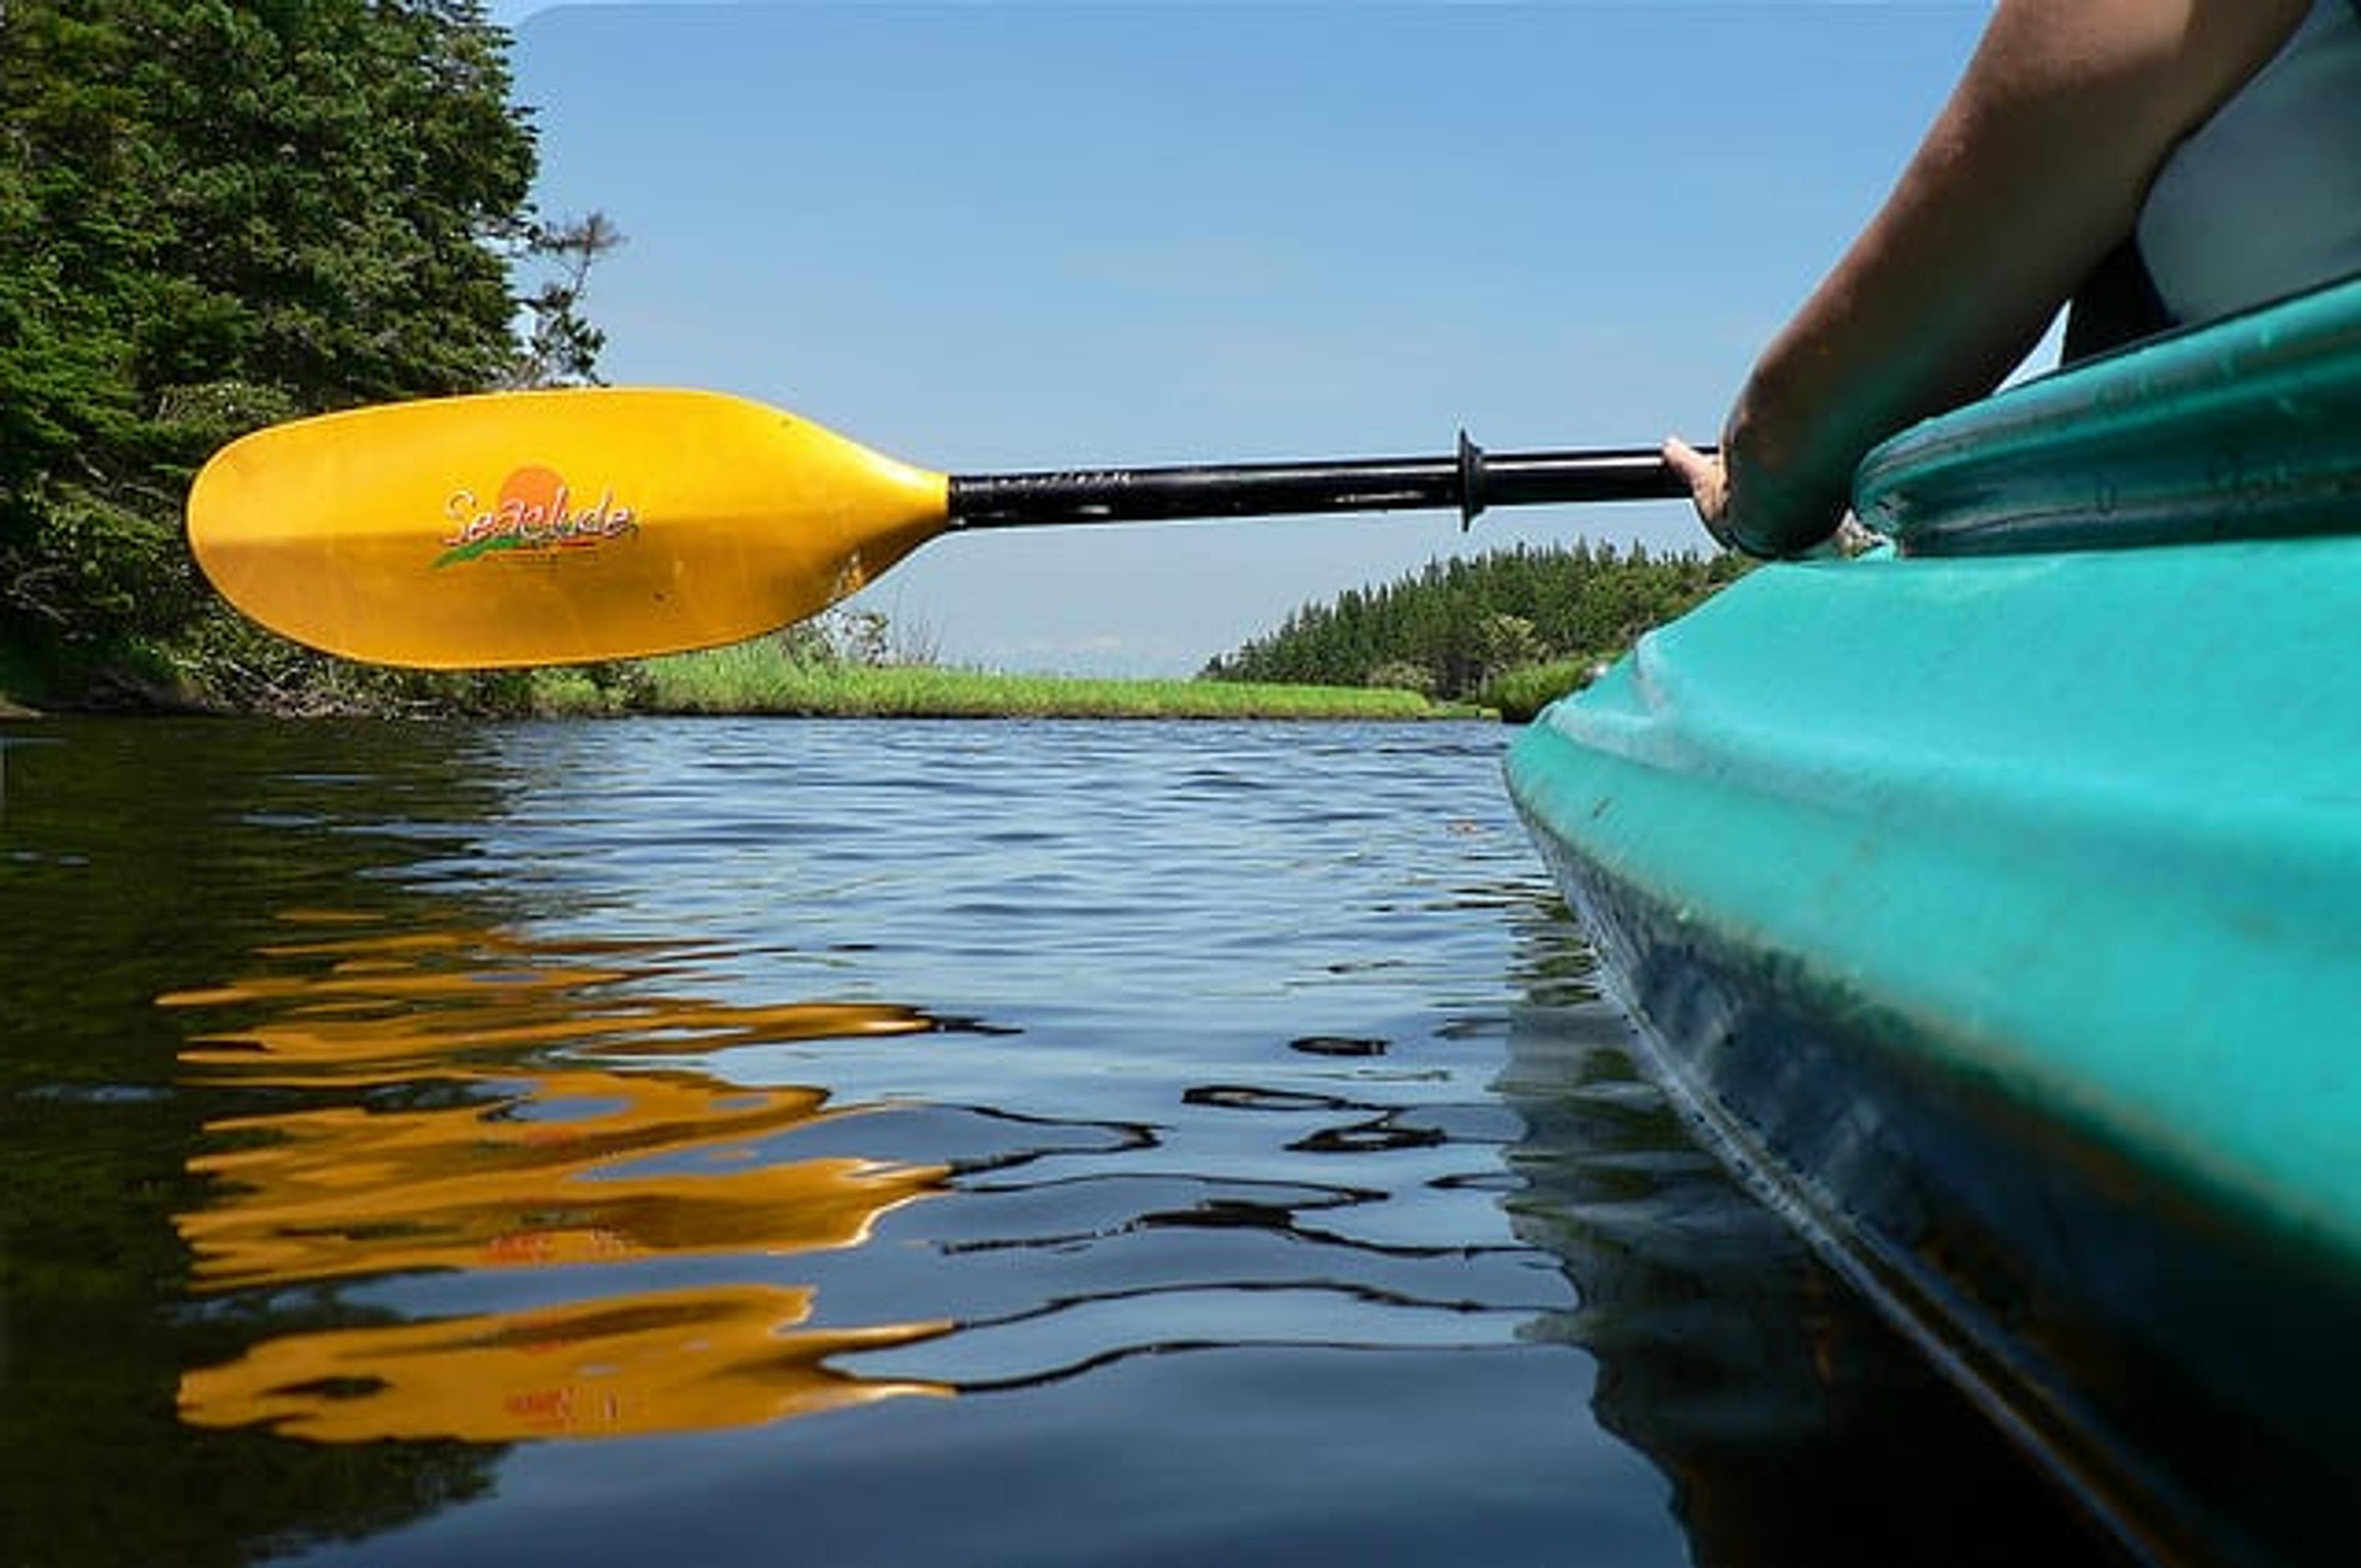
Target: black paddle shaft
1471,480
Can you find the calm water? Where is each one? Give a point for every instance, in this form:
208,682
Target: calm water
778,1142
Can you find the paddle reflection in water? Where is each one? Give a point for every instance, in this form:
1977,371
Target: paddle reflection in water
467,1101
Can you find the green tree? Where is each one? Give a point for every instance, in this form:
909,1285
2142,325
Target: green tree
1456,626
212,215
561,348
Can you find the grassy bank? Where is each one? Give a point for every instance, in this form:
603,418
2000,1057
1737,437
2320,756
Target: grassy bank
763,676
760,677
1521,694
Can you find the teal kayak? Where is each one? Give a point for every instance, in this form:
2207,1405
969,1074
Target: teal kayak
1993,904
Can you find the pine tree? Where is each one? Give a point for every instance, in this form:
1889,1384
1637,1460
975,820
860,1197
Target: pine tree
214,215
1455,625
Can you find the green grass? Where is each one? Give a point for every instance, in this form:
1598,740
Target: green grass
758,677
1521,694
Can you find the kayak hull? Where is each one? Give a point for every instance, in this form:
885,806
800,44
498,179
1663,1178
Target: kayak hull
1996,913
2053,1061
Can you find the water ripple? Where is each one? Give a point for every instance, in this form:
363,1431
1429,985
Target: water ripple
868,1142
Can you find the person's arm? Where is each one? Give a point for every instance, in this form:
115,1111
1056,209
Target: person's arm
2036,167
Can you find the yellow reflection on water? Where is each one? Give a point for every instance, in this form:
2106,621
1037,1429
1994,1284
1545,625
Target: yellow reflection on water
346,1191
468,1101
633,1366
388,1008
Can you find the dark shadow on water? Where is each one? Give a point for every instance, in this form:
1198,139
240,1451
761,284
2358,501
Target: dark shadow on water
261,1070
132,856
1794,1428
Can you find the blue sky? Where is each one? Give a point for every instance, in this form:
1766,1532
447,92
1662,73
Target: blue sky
1004,237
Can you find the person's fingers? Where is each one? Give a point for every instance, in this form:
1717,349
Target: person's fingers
1686,460
1709,485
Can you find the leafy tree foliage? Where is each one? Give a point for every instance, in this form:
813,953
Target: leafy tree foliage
215,215
1450,630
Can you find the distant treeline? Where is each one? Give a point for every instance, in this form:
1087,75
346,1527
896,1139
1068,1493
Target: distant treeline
1457,629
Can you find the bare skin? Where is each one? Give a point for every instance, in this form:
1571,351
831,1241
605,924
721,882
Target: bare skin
2034,171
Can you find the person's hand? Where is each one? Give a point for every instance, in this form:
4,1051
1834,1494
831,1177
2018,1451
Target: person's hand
1728,517
1707,477
1708,483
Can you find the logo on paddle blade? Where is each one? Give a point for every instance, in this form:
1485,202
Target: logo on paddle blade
535,509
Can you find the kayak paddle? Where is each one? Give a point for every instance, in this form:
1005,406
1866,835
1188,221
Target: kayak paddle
563,526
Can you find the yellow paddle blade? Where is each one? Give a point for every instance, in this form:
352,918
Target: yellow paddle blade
552,527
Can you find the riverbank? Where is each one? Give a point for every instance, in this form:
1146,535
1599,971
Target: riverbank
760,677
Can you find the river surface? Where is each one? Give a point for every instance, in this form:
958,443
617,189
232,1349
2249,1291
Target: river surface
764,1142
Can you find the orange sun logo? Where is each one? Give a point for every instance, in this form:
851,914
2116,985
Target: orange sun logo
533,509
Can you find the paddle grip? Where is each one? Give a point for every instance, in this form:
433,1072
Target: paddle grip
1469,480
